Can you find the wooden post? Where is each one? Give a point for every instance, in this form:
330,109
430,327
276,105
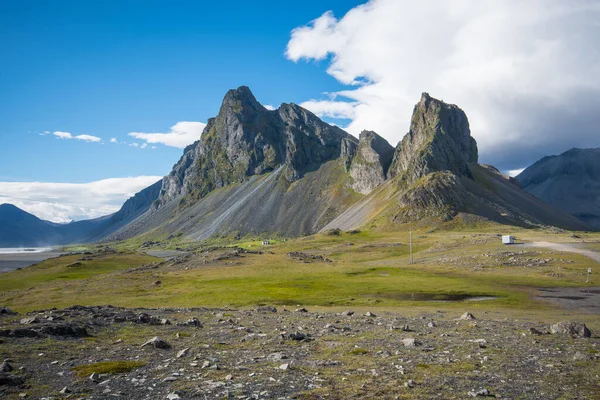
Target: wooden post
411,257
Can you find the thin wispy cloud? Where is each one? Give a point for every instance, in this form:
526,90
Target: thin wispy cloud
83,137
181,135
525,72
64,202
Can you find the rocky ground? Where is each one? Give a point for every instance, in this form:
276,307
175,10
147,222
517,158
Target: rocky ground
269,353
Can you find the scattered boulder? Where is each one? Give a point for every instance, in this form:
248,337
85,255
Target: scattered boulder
482,392
64,330
183,352
467,316
410,342
7,311
5,367
297,336
10,380
30,320
571,328
19,333
348,313
266,309
370,314
157,343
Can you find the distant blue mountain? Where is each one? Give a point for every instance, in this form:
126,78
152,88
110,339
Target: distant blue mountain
19,228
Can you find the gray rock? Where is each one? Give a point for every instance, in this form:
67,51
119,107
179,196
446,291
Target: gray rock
482,392
348,313
467,316
7,311
7,379
157,343
571,328
410,342
6,367
182,353
65,390
370,314
30,320
266,309
371,162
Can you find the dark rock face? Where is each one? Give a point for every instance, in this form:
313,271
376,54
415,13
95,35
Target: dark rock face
569,182
370,162
439,140
246,139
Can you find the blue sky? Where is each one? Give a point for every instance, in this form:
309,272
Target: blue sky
77,78
113,67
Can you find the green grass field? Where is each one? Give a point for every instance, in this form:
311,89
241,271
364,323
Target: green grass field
367,270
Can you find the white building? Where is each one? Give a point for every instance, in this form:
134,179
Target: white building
508,239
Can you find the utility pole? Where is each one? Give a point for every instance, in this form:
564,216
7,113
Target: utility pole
589,272
411,257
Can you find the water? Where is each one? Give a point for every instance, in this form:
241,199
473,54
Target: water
20,250
213,226
437,297
12,258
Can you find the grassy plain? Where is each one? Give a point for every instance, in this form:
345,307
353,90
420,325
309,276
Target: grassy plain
367,269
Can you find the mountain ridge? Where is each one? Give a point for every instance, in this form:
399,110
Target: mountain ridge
569,181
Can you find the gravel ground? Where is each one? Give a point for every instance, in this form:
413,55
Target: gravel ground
269,353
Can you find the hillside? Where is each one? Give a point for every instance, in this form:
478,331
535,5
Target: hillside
569,182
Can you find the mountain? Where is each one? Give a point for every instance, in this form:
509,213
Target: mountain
286,172
254,171
21,229
435,177
569,182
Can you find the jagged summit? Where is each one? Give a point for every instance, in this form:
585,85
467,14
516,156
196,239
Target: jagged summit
439,140
246,139
370,162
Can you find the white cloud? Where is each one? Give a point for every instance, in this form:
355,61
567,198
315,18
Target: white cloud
331,108
525,72
113,140
515,172
63,202
63,135
181,134
134,144
144,145
269,107
84,137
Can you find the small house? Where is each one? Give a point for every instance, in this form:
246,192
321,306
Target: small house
266,242
508,239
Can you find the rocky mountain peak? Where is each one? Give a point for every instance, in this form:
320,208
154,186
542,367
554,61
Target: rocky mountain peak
246,139
439,140
370,162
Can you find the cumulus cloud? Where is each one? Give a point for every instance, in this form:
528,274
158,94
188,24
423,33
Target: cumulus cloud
181,134
84,137
269,107
525,72
64,202
113,140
